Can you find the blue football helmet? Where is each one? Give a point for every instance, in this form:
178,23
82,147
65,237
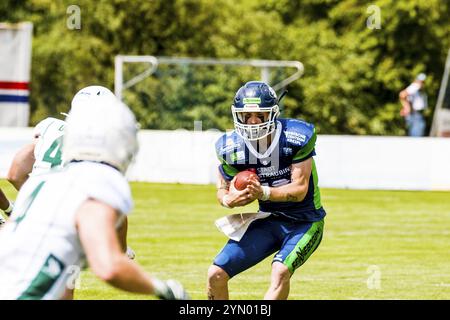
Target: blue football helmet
255,96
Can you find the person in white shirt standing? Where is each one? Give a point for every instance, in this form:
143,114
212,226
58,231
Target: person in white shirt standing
70,216
414,103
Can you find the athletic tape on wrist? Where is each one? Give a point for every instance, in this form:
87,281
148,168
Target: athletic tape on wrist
266,193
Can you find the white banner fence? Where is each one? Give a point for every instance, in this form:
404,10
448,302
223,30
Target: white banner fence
15,66
355,162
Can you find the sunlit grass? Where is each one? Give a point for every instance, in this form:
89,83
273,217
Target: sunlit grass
400,238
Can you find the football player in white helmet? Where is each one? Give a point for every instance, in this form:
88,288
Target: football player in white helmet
40,155
67,217
44,152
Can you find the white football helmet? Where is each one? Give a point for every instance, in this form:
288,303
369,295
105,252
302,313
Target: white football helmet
102,130
90,92
42,126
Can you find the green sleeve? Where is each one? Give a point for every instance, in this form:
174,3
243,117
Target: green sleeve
307,149
227,170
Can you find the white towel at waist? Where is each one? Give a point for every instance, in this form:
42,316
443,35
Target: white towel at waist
235,225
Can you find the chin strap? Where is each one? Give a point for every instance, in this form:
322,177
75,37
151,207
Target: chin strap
282,95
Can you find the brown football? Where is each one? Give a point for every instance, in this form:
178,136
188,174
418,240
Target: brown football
242,179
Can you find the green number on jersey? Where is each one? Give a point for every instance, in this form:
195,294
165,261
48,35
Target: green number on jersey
53,154
28,204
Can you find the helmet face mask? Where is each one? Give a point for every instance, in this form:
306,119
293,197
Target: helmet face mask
255,131
255,97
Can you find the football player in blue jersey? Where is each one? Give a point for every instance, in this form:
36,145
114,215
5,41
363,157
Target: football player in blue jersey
290,219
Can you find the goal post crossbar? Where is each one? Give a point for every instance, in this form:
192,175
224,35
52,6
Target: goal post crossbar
154,62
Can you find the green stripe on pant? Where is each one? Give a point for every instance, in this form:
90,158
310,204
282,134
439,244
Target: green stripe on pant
305,246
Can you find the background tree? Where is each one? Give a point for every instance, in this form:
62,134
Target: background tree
352,73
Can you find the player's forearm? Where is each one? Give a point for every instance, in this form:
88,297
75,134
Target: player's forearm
220,194
223,187
16,180
122,234
21,166
128,276
125,274
292,192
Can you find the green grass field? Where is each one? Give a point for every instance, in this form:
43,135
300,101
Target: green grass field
402,237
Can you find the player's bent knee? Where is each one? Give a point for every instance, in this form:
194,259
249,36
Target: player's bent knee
281,272
217,276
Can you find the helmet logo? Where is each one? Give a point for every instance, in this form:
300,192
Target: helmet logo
251,100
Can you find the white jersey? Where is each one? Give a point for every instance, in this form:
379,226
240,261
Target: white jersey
47,151
40,248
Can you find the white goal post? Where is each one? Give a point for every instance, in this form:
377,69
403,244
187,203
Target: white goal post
153,62
441,117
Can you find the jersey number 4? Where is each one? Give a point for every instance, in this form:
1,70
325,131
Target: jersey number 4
53,154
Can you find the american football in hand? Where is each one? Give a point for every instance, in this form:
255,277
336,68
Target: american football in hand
243,178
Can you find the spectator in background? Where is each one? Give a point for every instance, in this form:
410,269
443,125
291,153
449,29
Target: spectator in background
414,102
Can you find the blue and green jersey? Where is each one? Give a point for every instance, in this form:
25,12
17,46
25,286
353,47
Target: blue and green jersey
293,142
